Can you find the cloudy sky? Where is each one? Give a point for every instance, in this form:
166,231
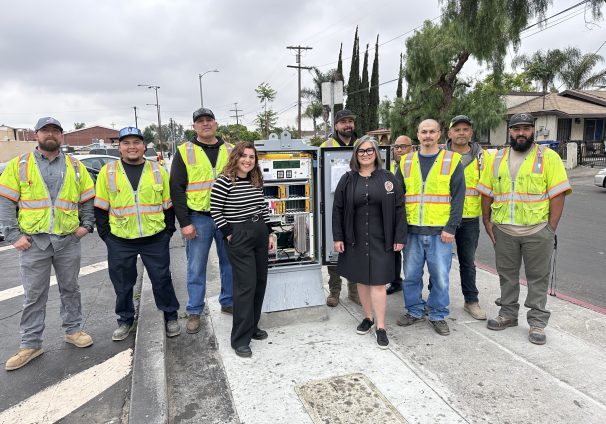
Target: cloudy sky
81,61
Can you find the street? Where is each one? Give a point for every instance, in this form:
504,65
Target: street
581,242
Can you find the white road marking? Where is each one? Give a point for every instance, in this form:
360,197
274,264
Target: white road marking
9,247
59,400
18,290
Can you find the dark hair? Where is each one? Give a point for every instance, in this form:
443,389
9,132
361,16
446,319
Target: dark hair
354,164
231,169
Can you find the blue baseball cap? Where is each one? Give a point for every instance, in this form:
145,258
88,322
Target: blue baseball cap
126,131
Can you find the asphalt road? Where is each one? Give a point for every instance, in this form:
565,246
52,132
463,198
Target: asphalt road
61,361
581,256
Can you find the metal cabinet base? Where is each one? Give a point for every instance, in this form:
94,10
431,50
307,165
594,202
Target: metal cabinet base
293,287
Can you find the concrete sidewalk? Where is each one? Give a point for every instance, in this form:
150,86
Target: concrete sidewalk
324,372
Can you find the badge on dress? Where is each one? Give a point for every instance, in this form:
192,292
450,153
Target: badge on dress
388,186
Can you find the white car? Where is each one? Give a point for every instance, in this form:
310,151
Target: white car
600,178
95,161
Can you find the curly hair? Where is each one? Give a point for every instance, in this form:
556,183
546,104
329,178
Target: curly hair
231,169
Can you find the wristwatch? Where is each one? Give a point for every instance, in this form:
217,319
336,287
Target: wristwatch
88,227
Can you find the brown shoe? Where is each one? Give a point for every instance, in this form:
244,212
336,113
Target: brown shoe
21,358
501,323
352,288
475,311
193,324
333,298
79,339
537,335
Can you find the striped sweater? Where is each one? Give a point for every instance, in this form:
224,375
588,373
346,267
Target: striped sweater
237,202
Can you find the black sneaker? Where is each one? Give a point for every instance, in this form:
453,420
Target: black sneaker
382,339
365,326
228,310
441,327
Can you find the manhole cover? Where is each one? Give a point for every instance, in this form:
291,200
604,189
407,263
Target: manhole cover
344,399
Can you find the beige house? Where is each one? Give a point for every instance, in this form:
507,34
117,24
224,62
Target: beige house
570,115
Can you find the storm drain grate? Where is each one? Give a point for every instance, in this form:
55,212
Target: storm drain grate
351,398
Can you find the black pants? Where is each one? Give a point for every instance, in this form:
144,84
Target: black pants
398,279
466,238
122,265
247,253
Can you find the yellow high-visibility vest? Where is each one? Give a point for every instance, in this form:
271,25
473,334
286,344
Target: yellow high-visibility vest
331,142
134,213
428,203
524,201
472,208
200,173
22,182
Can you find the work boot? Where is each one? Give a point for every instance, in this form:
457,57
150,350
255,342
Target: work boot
406,319
501,323
536,335
352,288
193,324
475,311
79,339
21,358
441,327
173,329
121,332
334,288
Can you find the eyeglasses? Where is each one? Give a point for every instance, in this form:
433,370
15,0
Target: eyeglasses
369,151
401,146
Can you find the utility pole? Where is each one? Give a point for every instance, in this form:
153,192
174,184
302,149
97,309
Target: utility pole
236,110
136,123
172,133
299,67
157,104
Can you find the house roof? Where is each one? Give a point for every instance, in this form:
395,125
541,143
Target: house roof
566,105
90,127
592,96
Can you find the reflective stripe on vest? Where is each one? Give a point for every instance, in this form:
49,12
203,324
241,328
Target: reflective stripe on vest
537,167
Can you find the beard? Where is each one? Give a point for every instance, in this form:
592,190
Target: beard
521,147
49,145
346,133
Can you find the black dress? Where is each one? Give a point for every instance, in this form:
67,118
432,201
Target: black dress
367,261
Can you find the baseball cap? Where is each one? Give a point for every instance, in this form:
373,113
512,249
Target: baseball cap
126,131
47,120
460,118
203,112
524,118
344,113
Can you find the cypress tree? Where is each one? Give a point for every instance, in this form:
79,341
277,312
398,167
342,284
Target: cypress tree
353,85
339,74
363,105
400,76
373,101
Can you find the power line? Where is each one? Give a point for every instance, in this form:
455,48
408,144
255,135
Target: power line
236,110
299,67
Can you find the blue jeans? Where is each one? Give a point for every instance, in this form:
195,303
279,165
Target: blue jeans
466,237
419,249
197,258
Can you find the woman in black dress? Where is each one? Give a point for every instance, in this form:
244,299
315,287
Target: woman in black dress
369,225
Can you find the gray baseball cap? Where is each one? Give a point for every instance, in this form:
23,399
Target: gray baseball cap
47,120
524,118
344,113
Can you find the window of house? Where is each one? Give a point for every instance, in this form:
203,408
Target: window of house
594,130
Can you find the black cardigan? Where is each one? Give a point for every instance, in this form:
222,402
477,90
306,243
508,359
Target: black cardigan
394,214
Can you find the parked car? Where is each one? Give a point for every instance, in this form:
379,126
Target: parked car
108,151
600,178
95,161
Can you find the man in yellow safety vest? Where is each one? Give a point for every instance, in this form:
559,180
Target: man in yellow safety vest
134,215
523,194
46,207
343,136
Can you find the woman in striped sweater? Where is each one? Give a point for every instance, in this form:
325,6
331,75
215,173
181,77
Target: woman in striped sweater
240,212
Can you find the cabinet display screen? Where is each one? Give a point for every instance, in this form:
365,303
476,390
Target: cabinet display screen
283,164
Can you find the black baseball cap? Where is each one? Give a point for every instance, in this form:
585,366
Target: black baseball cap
47,120
460,118
524,118
203,112
344,113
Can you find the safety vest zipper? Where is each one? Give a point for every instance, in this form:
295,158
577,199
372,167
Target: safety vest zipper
422,202
140,224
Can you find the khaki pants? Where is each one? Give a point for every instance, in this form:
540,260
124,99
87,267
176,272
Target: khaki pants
536,251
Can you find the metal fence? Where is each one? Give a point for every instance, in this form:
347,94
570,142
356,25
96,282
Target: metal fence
591,153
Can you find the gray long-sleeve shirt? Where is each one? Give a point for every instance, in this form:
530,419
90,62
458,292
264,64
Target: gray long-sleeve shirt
53,173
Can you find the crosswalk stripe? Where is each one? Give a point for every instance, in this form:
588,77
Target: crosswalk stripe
3,248
59,400
18,290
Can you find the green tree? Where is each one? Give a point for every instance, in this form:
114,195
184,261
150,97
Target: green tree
362,111
353,84
189,134
149,135
578,71
400,78
314,111
79,125
266,121
339,74
235,133
542,67
266,94
383,112
314,95
373,101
